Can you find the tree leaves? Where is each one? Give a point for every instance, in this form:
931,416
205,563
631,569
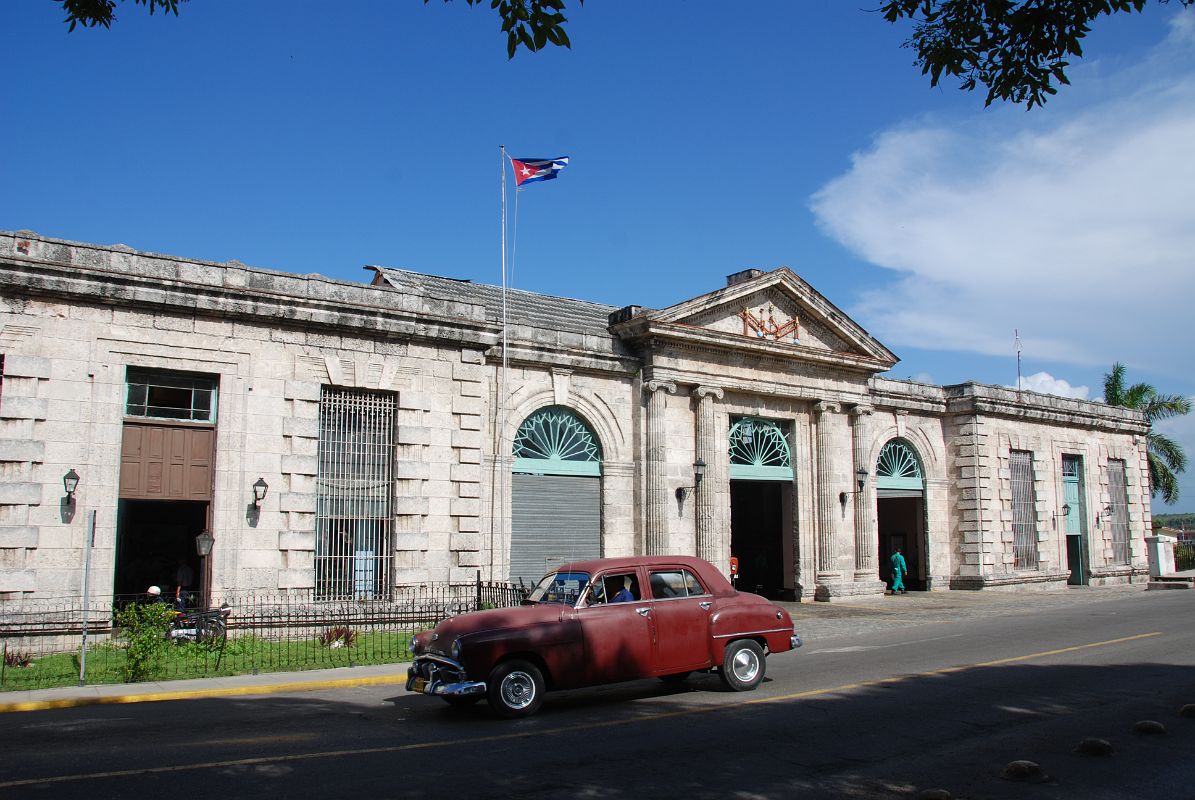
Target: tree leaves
90,13
1018,49
530,24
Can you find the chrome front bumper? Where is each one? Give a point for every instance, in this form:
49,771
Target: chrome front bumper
795,641
441,676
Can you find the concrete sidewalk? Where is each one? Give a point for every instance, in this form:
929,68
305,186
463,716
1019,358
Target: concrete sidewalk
814,622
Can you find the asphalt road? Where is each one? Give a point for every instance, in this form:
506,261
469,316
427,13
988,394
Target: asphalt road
885,713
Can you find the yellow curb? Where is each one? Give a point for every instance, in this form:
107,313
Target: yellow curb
194,694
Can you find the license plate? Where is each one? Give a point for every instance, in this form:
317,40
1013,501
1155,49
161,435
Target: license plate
418,684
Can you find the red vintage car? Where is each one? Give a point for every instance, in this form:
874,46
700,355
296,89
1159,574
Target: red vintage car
597,622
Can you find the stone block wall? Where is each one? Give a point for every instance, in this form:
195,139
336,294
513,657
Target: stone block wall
24,411
1000,421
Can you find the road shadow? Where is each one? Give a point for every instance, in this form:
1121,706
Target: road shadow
893,738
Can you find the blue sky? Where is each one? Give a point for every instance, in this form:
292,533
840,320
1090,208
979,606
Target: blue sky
317,137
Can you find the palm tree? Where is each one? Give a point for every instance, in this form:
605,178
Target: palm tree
1166,457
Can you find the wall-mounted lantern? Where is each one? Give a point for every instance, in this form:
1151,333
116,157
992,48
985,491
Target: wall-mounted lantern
698,474
860,481
203,544
70,482
259,492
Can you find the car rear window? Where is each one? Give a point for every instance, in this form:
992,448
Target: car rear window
675,583
560,587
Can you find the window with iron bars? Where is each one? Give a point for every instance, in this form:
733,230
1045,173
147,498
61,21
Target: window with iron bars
354,495
1118,515
1024,510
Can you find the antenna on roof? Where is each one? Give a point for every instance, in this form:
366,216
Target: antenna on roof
1017,343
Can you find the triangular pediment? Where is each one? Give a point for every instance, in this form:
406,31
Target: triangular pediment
779,310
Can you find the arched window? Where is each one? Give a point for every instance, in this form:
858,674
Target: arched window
554,441
898,469
759,451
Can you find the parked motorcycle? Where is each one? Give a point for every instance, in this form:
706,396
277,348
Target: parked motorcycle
209,625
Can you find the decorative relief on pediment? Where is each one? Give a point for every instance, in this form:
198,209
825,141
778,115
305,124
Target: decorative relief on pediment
768,322
774,315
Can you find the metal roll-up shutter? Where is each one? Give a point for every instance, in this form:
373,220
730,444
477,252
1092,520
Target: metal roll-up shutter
554,519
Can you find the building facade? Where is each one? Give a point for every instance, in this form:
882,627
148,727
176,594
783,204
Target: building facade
340,439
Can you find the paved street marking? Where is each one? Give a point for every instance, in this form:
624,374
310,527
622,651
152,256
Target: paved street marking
862,647
539,732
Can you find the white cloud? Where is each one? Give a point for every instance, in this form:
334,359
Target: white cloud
1070,224
1046,383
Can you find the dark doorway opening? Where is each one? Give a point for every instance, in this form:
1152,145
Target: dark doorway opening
902,524
757,538
155,546
1076,559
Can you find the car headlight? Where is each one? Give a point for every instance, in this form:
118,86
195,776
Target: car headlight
455,650
413,646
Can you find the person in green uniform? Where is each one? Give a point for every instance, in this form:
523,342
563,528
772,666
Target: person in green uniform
899,570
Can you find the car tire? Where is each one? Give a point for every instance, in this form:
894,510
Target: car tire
515,689
675,677
743,665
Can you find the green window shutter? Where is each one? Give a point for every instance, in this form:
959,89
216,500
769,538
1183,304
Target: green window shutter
554,441
898,470
759,451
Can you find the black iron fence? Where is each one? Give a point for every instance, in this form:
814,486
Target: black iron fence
1184,555
57,642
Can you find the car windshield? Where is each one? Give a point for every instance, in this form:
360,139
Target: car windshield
560,587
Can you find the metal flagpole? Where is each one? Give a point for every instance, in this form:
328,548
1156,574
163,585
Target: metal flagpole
498,484
87,545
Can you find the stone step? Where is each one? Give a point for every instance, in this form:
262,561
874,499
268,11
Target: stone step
1169,582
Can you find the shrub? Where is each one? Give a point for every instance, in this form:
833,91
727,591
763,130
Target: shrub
340,636
143,626
17,658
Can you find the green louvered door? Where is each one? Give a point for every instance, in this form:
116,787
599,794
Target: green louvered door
1074,507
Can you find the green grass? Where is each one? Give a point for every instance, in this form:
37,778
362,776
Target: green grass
242,655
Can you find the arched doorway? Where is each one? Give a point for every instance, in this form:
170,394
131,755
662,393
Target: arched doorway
761,484
900,512
555,493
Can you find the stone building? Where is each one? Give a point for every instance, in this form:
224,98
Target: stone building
342,438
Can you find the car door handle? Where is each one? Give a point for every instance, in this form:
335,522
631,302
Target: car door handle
705,606
643,612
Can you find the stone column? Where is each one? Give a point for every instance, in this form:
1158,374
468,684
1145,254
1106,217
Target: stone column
709,537
866,537
827,497
656,534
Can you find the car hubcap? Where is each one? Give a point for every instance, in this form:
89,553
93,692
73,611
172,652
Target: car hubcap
746,665
518,690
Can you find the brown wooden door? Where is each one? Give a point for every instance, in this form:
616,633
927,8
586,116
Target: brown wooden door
166,462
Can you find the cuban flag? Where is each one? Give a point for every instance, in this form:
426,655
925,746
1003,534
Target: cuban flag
530,170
